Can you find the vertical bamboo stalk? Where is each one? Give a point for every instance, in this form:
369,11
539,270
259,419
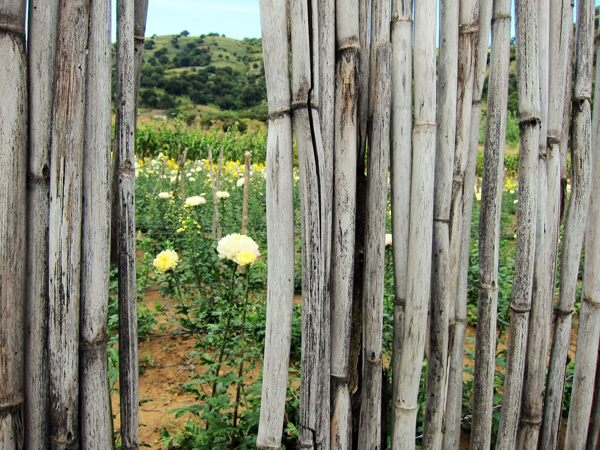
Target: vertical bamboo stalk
547,232
565,137
588,333
139,31
95,243
421,224
344,216
593,437
65,222
437,358
43,20
125,137
216,226
280,218
369,436
246,192
473,51
13,160
575,225
401,161
493,172
314,427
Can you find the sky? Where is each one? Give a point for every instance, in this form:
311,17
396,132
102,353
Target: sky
234,18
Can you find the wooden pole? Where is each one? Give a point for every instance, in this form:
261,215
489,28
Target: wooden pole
139,31
96,420
378,160
344,218
280,225
588,333
125,137
65,222
421,224
547,232
246,192
43,21
401,162
437,357
575,225
13,160
216,226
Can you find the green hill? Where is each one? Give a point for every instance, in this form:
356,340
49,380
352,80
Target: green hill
203,73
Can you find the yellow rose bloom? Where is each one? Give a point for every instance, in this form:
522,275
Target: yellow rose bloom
165,261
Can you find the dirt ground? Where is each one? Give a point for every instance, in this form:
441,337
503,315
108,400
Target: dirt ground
167,368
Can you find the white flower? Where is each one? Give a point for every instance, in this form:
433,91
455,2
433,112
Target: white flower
516,201
240,182
192,179
188,175
165,195
195,201
222,194
239,248
388,240
173,179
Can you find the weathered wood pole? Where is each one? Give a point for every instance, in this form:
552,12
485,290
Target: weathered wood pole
139,31
547,231
369,436
593,437
421,224
344,218
13,189
246,193
43,20
493,172
589,316
314,427
95,240
280,217
437,357
125,140
65,222
575,225
401,162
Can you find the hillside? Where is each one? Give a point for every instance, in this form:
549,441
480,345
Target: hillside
203,74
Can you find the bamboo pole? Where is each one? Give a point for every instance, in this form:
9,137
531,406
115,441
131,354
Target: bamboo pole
421,224
575,225
547,232
280,218
43,20
401,161
314,427
369,436
460,229
139,31
65,223
96,420
566,135
437,357
246,192
125,137
355,360
216,226
593,437
493,172
588,333
344,216
13,160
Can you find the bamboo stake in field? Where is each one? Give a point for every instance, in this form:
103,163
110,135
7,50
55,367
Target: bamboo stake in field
139,31
43,20
589,316
280,225
369,436
593,437
216,226
421,224
575,225
65,222
437,357
547,231
125,138
344,216
13,160
401,161
96,420
246,192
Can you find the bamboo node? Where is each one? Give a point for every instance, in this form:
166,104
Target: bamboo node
461,320
12,29
139,38
469,28
275,115
11,407
501,17
529,120
590,301
404,409
533,422
425,126
101,341
349,47
399,301
520,309
552,141
563,312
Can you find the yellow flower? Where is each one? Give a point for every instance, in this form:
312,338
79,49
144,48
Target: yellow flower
239,248
194,201
181,230
165,261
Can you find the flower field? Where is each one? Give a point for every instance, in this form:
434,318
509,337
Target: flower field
211,282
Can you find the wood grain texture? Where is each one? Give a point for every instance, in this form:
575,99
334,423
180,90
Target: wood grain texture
13,160
95,240
43,21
